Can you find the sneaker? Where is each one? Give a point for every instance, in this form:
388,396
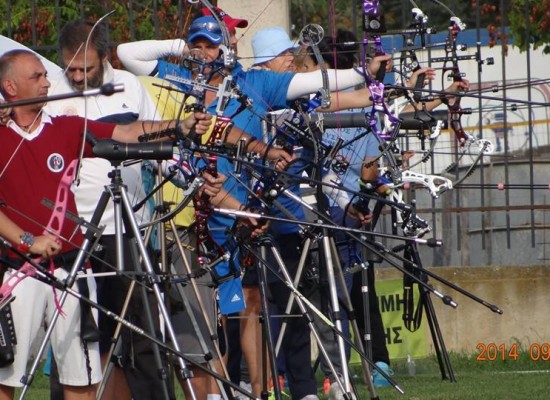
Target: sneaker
310,397
246,386
335,393
281,379
281,387
377,378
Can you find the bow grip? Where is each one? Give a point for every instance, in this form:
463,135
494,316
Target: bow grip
211,165
381,73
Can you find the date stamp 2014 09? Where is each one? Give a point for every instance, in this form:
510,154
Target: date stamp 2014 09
500,351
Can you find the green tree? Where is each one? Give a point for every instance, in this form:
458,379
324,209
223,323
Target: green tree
530,23
37,25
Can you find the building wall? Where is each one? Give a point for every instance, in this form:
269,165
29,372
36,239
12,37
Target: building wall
260,14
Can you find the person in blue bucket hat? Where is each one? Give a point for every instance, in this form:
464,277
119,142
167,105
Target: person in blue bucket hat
269,43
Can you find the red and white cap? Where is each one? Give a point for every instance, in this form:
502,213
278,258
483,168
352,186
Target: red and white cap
229,21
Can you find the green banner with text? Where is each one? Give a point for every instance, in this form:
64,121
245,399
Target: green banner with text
400,341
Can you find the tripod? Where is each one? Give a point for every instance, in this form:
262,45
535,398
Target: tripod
412,225
445,367
329,251
124,213
331,267
267,247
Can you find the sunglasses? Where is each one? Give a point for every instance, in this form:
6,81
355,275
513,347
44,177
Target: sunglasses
209,26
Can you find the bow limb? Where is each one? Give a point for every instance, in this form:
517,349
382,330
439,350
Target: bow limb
453,71
76,177
311,35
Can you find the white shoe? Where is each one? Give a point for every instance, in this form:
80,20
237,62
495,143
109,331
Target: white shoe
335,393
310,397
246,386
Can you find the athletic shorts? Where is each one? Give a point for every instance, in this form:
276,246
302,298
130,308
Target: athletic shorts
194,340
32,310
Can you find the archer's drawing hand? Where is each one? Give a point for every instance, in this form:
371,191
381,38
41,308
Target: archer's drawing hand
280,158
429,75
458,86
364,218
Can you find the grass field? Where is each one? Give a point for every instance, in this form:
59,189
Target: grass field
507,379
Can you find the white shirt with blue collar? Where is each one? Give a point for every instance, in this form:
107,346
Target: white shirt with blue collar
121,107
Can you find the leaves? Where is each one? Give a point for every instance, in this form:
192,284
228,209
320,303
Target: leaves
36,26
137,23
530,23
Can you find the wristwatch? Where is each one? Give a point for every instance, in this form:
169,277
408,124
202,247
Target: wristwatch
27,240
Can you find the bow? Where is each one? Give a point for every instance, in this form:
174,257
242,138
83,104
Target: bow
373,26
54,226
403,176
451,71
208,250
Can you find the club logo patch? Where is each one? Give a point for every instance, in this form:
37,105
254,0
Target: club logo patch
56,162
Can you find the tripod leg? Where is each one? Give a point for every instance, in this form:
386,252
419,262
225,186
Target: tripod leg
144,375
265,319
69,282
207,315
297,278
329,257
437,337
184,371
339,273
85,250
115,346
144,370
146,311
303,311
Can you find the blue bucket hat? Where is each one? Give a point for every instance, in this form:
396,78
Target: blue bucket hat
268,43
206,28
